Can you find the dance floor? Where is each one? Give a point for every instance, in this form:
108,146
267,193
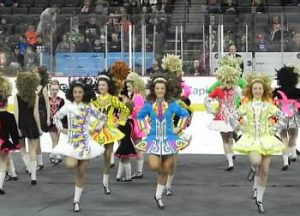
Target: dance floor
201,188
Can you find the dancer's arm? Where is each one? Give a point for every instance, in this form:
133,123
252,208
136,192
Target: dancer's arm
36,114
98,119
47,103
183,114
57,119
141,116
124,111
13,131
16,113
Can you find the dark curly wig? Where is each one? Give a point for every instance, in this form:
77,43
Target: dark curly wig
42,71
87,84
287,78
172,88
108,79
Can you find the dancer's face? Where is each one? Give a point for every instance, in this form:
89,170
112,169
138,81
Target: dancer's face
54,89
129,87
257,90
160,90
103,87
78,93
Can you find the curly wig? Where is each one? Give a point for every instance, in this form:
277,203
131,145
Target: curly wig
27,83
287,77
171,87
265,80
172,63
111,84
137,82
87,84
42,71
118,73
228,76
5,90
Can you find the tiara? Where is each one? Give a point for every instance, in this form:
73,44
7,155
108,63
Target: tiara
160,79
103,76
256,80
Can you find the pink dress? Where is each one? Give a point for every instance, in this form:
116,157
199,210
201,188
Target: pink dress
138,102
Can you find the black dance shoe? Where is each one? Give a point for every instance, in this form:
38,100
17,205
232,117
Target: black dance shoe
112,165
126,180
40,167
228,169
285,168
254,194
260,207
76,207
298,152
27,172
2,192
33,182
169,192
159,203
52,160
233,157
251,175
137,175
293,159
118,179
106,190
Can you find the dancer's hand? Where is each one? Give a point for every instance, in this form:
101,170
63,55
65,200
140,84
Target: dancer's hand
64,131
176,130
48,122
20,133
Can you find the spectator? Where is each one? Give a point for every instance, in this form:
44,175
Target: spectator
261,45
125,23
133,7
153,69
30,59
86,6
258,6
4,27
22,47
8,3
115,44
3,60
64,45
228,7
99,45
213,7
294,45
47,25
232,53
92,29
101,7
194,70
112,25
31,37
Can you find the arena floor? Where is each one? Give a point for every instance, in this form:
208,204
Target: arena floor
201,188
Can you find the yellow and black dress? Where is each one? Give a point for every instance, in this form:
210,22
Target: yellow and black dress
116,112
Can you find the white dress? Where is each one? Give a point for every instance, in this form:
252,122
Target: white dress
81,119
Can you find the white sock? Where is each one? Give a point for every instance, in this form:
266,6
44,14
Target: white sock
40,159
11,167
120,169
112,158
2,177
25,159
260,193
256,178
285,160
169,181
140,165
128,170
33,165
105,180
58,156
229,159
51,155
294,152
159,191
77,194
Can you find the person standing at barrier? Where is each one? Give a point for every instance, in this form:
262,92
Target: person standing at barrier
9,137
27,117
287,96
136,90
56,103
107,103
225,95
83,121
256,122
161,142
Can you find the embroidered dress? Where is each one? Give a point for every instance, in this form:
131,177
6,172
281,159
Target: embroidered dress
258,129
161,140
138,102
55,105
81,119
110,106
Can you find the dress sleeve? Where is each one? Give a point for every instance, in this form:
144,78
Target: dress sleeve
141,116
13,130
212,88
124,111
98,117
182,113
57,119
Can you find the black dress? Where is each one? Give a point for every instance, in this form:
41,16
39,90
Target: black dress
43,111
27,123
126,148
9,137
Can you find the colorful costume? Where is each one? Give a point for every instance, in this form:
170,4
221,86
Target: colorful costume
109,105
161,140
78,143
126,148
55,105
9,137
138,102
258,131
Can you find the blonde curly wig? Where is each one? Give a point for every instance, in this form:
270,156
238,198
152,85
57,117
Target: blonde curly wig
228,76
172,63
265,80
138,83
5,87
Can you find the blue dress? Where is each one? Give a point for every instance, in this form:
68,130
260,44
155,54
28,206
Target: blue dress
161,140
